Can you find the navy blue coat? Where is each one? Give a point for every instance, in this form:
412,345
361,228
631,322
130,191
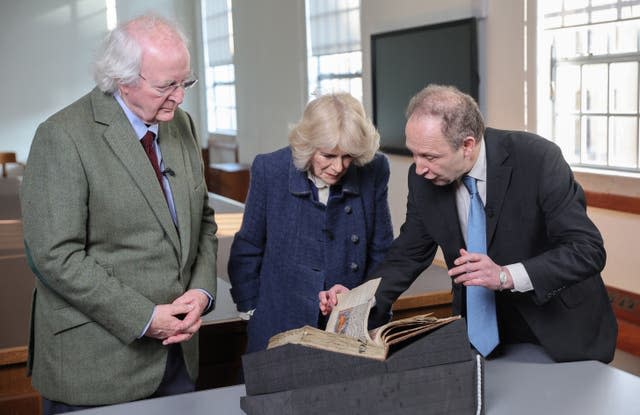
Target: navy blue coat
290,247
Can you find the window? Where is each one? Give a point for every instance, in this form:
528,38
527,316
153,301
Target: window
219,79
333,44
592,101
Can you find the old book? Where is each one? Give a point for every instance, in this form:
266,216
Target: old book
347,332
293,366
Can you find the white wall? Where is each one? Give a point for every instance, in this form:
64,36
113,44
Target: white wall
48,48
270,61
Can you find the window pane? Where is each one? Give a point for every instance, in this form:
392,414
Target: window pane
623,88
594,140
576,18
599,39
624,38
223,73
603,2
211,113
551,6
225,96
629,12
355,62
594,88
605,15
623,142
334,26
551,22
568,88
217,31
575,4
335,61
571,43
567,136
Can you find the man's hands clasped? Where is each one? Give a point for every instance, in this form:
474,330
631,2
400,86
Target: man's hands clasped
180,320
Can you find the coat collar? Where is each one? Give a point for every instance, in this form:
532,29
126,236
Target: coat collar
122,139
299,183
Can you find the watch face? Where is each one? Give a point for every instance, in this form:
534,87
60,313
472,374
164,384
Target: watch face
503,278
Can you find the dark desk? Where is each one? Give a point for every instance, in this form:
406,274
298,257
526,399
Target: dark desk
518,383
16,280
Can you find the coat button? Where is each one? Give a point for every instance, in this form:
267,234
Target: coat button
354,238
354,267
347,209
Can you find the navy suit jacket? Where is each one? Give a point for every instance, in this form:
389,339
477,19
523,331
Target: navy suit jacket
290,247
536,215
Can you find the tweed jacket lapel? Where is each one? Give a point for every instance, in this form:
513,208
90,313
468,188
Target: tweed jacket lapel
122,139
173,156
498,178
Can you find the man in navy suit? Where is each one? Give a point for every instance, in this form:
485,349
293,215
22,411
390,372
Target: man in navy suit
544,255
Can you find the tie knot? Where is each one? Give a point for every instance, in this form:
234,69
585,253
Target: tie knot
148,138
470,184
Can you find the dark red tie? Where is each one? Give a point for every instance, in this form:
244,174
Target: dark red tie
147,144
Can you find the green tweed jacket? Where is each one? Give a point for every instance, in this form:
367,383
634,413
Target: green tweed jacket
105,250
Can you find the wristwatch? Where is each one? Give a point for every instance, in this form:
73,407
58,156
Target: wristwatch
503,280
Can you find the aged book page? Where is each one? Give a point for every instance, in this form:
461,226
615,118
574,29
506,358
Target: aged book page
339,343
351,315
346,330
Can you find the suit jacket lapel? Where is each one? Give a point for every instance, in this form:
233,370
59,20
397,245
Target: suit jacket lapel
446,204
173,156
440,212
126,146
498,179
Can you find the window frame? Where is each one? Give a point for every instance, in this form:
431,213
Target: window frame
216,111
548,79
315,75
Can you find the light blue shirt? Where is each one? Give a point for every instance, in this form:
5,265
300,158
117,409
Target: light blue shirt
141,129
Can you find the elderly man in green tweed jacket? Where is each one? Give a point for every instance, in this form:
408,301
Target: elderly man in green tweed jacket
124,252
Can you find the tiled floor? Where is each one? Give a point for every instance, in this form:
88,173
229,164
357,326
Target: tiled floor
627,362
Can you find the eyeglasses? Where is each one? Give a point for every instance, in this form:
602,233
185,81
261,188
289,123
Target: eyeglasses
167,89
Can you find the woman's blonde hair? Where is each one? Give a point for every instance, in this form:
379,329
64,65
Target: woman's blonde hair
330,121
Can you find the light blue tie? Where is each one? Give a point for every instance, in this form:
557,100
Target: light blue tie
482,325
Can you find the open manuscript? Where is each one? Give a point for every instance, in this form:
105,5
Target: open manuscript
346,330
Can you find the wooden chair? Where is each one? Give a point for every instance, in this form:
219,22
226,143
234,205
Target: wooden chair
6,158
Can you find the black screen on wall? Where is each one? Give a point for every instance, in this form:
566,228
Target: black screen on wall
405,61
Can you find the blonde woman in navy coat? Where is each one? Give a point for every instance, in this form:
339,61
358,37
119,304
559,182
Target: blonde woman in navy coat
316,215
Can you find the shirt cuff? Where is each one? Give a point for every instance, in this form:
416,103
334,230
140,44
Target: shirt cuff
520,276
146,327
246,315
211,301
